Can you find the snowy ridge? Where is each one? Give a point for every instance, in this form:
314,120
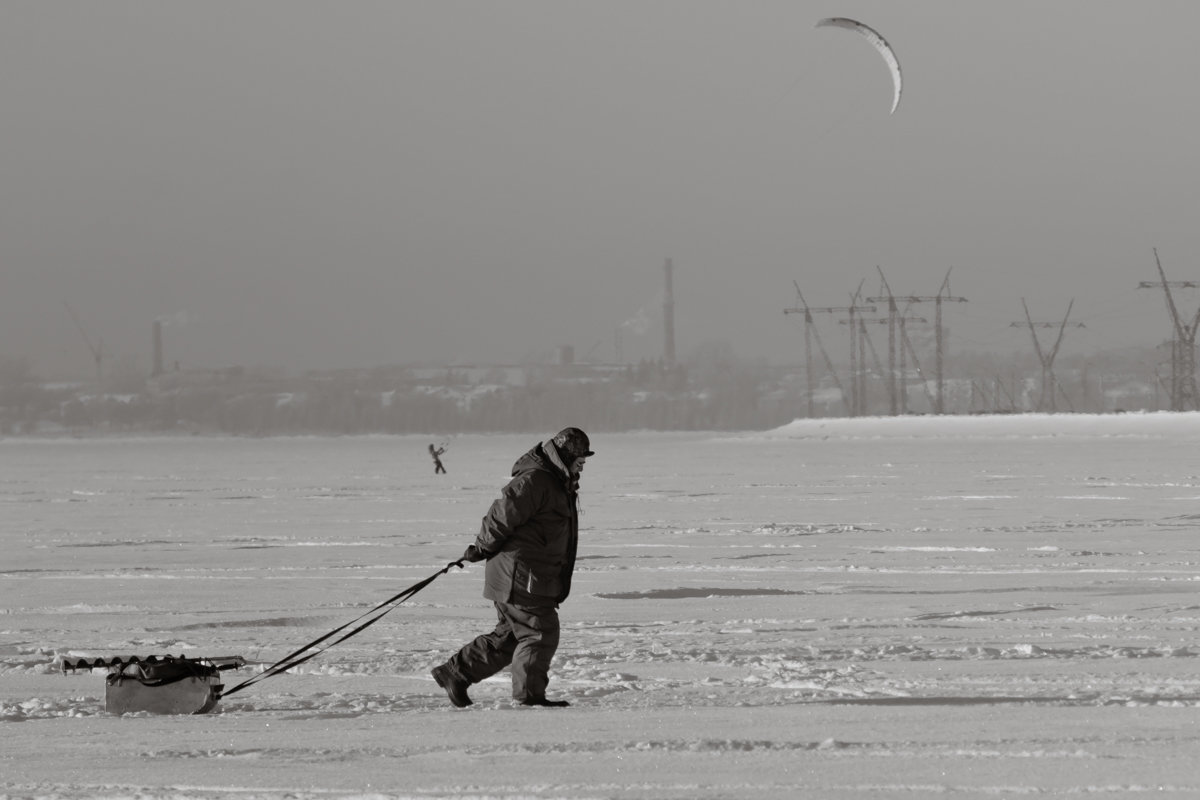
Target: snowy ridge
1002,426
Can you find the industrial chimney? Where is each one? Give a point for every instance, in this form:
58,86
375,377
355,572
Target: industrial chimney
668,318
158,353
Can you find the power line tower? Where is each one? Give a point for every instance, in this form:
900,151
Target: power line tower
859,342
943,296
897,321
893,313
1183,345
858,353
890,372
896,380
1049,382
811,334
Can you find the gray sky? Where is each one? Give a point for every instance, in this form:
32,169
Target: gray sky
316,184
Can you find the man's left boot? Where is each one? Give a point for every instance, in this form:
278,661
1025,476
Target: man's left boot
541,701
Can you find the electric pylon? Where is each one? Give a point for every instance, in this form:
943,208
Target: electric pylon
943,296
1049,383
1183,345
811,334
896,321
863,322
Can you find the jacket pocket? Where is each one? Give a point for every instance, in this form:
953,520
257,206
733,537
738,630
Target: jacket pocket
537,581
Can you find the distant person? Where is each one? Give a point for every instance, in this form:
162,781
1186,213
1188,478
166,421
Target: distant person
529,537
438,469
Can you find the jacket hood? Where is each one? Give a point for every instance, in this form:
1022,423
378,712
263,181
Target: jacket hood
543,457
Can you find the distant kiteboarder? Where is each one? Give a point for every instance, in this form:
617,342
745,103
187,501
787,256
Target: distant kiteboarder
434,453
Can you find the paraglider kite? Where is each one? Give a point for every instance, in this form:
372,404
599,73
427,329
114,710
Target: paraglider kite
879,43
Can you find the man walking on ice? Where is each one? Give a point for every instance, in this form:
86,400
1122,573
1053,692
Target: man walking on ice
529,538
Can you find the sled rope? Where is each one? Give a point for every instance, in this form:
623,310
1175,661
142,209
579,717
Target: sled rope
311,650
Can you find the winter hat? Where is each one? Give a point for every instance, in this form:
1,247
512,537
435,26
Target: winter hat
573,443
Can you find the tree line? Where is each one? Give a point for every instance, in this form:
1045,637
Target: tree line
649,395
715,390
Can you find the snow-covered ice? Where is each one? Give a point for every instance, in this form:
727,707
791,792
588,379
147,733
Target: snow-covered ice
960,606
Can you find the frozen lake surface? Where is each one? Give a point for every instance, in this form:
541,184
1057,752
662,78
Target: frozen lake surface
975,607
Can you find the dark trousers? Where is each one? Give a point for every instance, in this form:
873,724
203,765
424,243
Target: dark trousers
525,637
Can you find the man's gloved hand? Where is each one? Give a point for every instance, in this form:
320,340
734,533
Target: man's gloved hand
470,554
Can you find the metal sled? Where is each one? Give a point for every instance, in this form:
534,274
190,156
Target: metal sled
159,684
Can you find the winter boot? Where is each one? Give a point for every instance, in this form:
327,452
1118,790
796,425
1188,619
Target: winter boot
456,687
541,701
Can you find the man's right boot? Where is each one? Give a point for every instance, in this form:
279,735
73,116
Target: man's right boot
456,687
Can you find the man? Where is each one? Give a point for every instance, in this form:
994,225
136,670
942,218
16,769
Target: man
529,537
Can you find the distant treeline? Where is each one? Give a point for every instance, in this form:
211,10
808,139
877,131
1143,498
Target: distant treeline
715,391
646,396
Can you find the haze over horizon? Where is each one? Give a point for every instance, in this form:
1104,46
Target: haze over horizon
312,186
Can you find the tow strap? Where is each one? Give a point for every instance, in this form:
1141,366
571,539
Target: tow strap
311,649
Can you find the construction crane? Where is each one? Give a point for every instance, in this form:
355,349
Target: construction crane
96,349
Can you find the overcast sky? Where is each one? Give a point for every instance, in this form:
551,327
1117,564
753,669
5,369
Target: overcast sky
318,184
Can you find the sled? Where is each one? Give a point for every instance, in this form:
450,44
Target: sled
159,684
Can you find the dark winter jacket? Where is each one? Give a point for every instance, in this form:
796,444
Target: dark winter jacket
531,533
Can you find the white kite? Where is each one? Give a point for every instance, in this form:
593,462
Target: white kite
879,43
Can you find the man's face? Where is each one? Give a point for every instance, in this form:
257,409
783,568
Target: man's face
577,467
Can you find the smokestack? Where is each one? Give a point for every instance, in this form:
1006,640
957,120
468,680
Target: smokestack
157,370
669,317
